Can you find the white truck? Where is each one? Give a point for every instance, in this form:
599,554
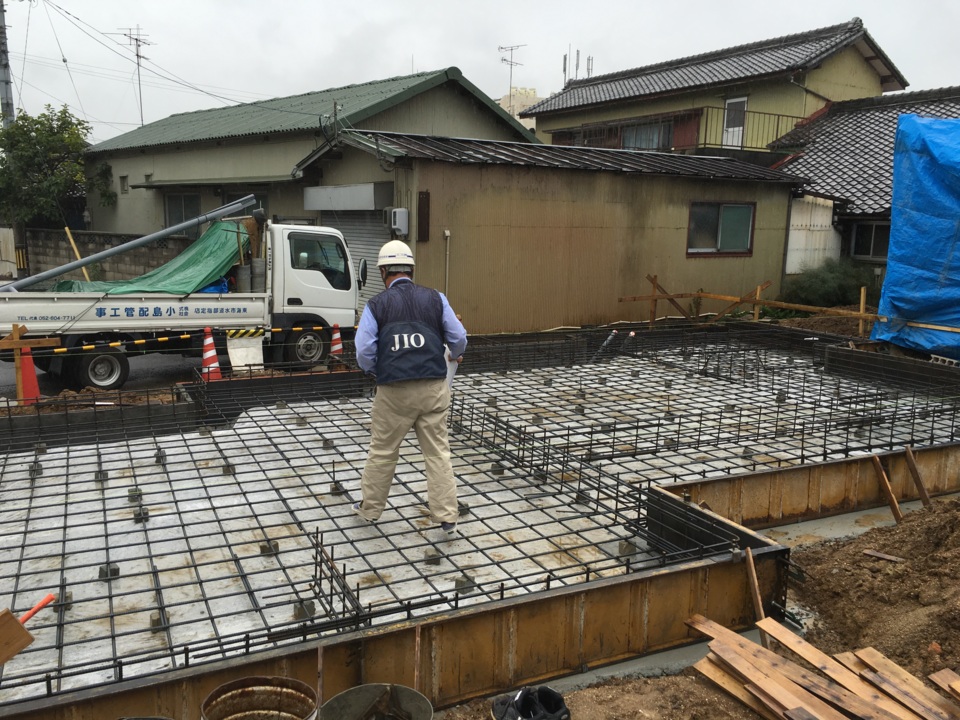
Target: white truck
310,284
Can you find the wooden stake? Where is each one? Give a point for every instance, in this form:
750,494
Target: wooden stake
416,660
863,308
755,594
887,490
76,252
653,301
756,308
658,288
917,480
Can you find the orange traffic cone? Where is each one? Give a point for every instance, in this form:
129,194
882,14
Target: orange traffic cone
336,344
211,364
28,379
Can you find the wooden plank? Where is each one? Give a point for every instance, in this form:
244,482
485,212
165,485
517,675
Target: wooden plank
742,299
887,491
837,695
784,690
732,686
659,288
834,669
851,662
799,714
948,681
767,700
883,556
14,637
755,594
917,480
885,667
907,696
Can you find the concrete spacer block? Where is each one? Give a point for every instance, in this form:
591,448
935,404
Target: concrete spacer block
204,430
271,547
336,488
66,601
492,401
431,557
141,514
496,468
40,448
161,457
101,476
327,443
36,470
462,509
109,572
301,421
304,609
229,469
134,494
157,621
282,405
465,584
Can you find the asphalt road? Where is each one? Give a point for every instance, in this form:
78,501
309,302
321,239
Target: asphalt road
147,372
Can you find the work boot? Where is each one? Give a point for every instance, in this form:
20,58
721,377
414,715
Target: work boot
522,705
551,701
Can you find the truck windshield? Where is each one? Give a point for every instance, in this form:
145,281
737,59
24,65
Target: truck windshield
321,253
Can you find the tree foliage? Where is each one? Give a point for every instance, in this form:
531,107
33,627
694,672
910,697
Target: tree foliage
835,283
42,168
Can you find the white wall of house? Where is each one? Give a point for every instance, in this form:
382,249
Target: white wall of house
812,238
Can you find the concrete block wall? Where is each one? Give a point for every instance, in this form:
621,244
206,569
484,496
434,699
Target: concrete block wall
48,249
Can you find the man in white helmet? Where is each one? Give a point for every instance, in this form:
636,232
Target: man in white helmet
400,340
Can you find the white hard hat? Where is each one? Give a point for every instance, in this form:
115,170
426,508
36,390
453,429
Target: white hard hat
395,252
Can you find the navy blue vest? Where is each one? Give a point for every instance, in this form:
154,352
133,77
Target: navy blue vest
410,340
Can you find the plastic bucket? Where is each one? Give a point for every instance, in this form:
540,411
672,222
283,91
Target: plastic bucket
258,274
243,279
357,702
261,698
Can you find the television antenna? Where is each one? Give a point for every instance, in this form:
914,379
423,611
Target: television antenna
137,39
511,62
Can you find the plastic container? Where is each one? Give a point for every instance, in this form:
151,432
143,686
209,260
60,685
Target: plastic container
258,274
261,698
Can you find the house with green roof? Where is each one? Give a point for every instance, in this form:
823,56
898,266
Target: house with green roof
733,101
186,164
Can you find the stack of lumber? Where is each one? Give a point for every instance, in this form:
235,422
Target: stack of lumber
861,684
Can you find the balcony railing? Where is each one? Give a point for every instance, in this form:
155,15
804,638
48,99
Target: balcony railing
720,128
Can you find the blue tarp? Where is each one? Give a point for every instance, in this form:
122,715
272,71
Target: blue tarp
922,283
202,264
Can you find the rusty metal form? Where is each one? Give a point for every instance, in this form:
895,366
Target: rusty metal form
209,552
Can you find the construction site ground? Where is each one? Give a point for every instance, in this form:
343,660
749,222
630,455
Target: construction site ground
909,611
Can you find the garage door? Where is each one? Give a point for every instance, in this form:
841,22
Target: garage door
365,234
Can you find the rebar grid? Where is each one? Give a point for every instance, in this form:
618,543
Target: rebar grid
193,546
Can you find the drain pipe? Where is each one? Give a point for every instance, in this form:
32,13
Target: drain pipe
446,271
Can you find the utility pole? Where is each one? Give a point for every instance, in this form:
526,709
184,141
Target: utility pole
6,85
511,63
137,40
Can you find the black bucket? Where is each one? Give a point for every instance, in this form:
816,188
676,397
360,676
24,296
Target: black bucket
261,698
357,702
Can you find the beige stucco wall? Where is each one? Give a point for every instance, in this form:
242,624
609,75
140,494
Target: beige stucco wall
532,249
446,110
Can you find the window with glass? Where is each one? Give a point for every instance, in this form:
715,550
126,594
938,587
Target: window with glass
324,254
720,228
656,135
181,207
871,240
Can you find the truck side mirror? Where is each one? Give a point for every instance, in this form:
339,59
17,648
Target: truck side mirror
362,272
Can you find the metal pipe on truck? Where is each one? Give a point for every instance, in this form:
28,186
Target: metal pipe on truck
240,204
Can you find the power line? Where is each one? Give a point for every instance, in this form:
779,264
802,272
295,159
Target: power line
65,64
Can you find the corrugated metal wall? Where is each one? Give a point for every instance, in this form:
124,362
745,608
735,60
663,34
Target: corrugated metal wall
533,249
813,238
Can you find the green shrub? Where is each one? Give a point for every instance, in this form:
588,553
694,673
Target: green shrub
836,282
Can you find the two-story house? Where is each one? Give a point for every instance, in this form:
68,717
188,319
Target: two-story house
728,102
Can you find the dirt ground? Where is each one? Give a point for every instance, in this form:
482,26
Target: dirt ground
833,324
908,610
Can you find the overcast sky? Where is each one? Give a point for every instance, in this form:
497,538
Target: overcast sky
209,53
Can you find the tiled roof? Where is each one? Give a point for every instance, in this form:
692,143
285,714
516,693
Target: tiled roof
465,151
296,113
847,150
767,58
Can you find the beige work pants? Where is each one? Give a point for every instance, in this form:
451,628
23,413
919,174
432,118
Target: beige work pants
422,405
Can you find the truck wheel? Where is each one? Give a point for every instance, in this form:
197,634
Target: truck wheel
307,348
101,369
